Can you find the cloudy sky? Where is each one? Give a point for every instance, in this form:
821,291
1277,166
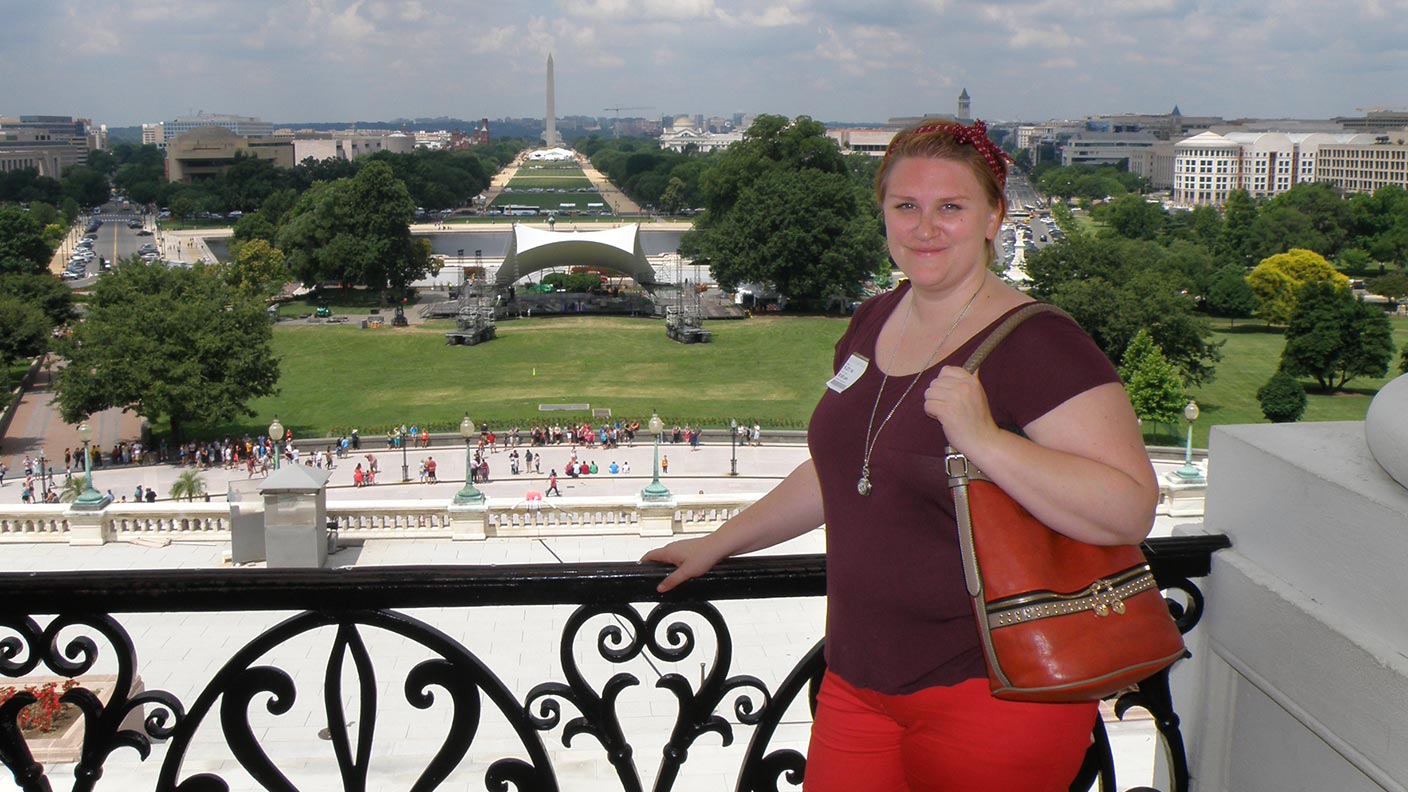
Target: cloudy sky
125,62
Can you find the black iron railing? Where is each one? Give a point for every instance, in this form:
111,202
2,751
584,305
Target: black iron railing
639,624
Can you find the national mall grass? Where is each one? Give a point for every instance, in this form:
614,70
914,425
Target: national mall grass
335,378
768,369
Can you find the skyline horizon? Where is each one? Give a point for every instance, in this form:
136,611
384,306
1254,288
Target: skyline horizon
142,61
372,122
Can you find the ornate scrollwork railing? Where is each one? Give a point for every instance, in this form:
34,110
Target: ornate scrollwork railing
618,622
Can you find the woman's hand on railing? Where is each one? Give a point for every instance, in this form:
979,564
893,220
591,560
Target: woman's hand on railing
691,557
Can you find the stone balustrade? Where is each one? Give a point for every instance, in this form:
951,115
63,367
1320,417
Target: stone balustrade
360,520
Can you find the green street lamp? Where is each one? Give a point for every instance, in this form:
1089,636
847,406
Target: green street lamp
468,494
276,433
1188,472
91,498
733,446
655,491
405,466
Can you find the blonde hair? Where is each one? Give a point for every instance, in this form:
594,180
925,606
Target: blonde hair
968,145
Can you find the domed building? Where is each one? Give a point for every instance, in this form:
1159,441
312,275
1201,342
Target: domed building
684,132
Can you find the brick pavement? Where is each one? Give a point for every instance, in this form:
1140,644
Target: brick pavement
38,426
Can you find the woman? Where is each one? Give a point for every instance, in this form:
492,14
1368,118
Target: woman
905,703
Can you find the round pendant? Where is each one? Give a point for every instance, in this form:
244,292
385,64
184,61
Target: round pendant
863,486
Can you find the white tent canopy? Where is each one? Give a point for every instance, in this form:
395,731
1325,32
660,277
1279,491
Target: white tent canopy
533,249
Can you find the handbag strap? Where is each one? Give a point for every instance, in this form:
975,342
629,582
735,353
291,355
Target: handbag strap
956,465
1005,329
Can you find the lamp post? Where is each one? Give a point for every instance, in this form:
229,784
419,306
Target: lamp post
91,498
733,447
276,432
405,466
43,477
655,491
1188,472
468,494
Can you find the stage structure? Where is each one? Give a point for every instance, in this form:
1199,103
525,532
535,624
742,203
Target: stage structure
475,319
684,321
532,249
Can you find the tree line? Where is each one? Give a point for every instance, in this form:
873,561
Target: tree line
435,179
1286,260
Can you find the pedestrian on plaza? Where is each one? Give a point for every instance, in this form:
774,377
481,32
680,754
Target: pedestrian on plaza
552,485
357,475
905,701
3,471
150,497
430,471
665,464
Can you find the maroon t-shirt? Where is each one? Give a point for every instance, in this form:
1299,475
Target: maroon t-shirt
898,614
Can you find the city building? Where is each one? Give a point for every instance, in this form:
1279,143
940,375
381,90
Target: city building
205,152
154,135
1170,126
1377,119
348,145
1154,165
684,132
244,126
1209,166
1365,167
863,141
29,149
79,134
875,141
1105,148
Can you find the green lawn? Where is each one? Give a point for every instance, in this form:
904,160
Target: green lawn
770,369
549,200
554,182
336,377
1249,358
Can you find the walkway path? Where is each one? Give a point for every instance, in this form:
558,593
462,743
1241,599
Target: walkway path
37,426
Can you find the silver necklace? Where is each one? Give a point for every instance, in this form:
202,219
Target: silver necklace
863,484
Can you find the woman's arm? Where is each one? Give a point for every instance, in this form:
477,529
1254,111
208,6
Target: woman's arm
1082,469
791,509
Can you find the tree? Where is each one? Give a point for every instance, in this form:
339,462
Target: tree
24,331
1282,398
356,231
785,207
257,271
1277,281
1238,216
1113,287
1132,217
43,291
1230,295
1393,286
23,248
86,186
1153,384
1333,337
188,485
804,232
170,344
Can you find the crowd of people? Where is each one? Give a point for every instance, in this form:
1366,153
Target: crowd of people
255,455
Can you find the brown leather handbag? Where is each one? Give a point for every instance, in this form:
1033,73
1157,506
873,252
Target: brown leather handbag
1060,620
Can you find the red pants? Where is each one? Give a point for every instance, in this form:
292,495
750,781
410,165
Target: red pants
949,739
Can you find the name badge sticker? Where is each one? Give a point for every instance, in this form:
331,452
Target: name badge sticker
849,373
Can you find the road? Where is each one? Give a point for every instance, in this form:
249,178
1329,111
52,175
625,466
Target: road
113,241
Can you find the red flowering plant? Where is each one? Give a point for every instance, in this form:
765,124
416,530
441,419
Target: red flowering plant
40,715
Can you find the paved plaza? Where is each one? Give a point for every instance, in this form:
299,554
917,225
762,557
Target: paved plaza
181,653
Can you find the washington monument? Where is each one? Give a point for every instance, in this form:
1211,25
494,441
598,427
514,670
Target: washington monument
550,138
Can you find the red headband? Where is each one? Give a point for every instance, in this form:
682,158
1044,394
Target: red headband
975,136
